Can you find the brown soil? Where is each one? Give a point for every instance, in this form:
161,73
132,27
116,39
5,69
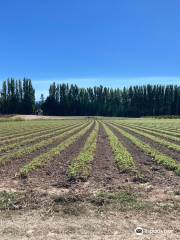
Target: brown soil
156,135
153,173
55,172
104,169
41,132
32,143
11,168
77,217
172,153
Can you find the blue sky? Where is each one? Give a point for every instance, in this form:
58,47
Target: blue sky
90,42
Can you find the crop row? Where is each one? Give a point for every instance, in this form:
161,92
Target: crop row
123,158
10,128
159,157
33,130
81,165
33,148
154,132
161,141
159,127
170,128
40,161
164,128
27,135
34,134
155,129
11,133
36,138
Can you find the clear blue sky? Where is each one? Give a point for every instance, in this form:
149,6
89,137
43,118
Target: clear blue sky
90,42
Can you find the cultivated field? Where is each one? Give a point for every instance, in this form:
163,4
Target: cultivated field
125,168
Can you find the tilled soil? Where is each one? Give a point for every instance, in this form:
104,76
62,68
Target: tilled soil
156,174
18,148
12,139
163,137
105,173
11,168
104,169
163,149
61,209
55,172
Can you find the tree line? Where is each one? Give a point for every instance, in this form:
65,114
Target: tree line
134,101
17,97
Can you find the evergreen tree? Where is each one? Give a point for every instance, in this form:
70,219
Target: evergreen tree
17,97
151,100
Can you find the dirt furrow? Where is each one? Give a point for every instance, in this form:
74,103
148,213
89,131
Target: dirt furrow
104,169
156,174
11,168
154,134
163,149
54,173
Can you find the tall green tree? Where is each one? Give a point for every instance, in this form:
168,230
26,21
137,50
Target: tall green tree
17,97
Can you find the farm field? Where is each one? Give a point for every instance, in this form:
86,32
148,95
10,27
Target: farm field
109,164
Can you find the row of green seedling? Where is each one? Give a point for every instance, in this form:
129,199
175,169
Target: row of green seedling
159,157
33,148
158,132
82,164
165,127
34,134
36,138
31,130
18,132
154,132
123,158
152,124
24,132
173,132
161,141
9,129
43,159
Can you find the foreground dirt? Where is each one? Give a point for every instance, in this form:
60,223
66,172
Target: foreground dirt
78,212
36,225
